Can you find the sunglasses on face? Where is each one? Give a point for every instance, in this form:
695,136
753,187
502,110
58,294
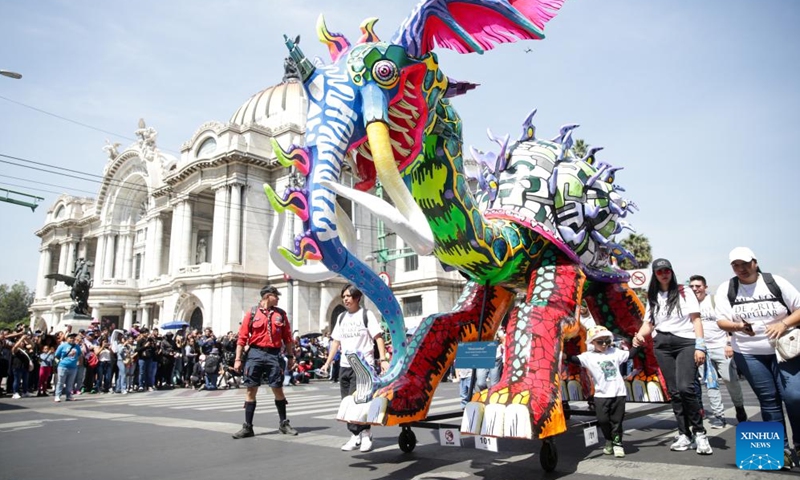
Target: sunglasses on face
663,271
604,343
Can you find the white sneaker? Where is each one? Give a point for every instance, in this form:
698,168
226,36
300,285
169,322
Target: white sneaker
124,392
366,441
703,448
16,396
353,444
57,400
681,444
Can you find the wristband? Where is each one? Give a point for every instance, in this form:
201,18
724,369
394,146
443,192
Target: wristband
785,324
700,344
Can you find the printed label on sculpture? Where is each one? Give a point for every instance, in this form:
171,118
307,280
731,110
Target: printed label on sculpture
476,355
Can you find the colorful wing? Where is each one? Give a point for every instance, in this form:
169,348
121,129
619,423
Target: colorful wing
473,25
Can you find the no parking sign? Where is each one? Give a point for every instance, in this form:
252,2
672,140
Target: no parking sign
640,278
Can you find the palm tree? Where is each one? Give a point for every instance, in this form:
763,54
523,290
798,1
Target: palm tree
579,148
639,246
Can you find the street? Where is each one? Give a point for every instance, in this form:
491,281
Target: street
185,434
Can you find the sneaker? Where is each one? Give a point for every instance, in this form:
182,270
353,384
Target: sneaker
16,396
681,444
609,448
57,400
151,389
366,442
787,460
245,432
353,444
717,422
286,429
703,448
619,452
124,392
741,414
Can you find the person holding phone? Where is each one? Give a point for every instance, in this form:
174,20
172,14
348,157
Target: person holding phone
756,315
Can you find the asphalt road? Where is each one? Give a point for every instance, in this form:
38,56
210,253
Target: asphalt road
184,434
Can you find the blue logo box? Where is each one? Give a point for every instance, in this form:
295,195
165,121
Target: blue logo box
759,446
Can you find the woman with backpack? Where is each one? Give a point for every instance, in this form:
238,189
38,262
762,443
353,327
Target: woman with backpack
758,308
673,317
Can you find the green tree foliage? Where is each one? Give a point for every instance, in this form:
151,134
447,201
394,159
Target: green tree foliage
579,148
14,303
639,246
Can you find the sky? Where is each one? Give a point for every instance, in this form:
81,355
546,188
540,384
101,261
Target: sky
698,101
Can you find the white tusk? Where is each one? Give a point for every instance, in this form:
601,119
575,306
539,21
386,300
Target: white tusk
413,230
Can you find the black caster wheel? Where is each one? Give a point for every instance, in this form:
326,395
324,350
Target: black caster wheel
407,440
548,456
567,410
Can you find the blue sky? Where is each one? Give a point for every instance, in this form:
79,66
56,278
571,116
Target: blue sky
698,101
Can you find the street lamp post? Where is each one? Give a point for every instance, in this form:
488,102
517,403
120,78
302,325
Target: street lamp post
10,74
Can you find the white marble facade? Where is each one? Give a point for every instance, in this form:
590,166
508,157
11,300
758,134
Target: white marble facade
186,239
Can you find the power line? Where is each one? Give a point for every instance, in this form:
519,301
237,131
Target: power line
136,189
29,188
76,122
48,184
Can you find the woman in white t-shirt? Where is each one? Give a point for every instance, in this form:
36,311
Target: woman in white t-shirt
756,318
680,348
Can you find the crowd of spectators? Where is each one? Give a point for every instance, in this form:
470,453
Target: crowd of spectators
136,360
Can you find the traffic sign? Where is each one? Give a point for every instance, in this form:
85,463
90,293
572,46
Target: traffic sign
639,278
386,278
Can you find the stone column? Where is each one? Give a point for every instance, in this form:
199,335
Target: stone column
119,256
99,257
62,259
325,297
108,261
174,239
71,244
161,311
186,235
220,227
96,313
154,260
235,224
82,249
128,319
127,264
44,269
146,315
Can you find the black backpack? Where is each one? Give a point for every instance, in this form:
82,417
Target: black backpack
774,289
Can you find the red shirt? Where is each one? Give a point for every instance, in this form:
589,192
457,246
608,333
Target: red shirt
270,329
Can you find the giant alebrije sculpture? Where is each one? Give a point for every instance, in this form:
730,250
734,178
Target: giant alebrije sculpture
541,226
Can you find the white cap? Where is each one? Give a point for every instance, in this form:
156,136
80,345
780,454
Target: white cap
741,253
598,331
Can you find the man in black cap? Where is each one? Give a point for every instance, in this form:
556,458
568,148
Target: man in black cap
265,329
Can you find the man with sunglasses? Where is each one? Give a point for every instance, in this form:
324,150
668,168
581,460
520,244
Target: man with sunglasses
266,330
719,358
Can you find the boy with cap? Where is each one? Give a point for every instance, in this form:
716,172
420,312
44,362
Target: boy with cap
609,386
266,330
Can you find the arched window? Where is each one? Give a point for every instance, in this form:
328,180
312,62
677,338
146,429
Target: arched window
208,147
60,212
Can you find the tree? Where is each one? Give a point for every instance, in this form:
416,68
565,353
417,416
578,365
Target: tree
579,148
14,303
639,246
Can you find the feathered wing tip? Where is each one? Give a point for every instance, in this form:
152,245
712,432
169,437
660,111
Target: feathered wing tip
337,44
538,12
470,26
368,31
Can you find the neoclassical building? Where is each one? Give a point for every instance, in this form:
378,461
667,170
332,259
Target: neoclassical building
187,239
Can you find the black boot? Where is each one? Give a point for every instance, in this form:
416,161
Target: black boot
245,432
741,415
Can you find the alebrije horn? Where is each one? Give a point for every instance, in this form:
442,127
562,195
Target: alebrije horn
303,65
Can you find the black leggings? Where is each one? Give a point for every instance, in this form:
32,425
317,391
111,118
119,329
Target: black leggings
675,357
610,413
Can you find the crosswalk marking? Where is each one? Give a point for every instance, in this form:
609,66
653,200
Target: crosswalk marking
320,403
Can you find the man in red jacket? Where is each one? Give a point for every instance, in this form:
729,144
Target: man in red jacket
266,330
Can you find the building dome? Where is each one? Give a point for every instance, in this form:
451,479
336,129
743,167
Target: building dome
273,107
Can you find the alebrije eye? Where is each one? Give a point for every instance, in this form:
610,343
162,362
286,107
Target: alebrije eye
385,73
